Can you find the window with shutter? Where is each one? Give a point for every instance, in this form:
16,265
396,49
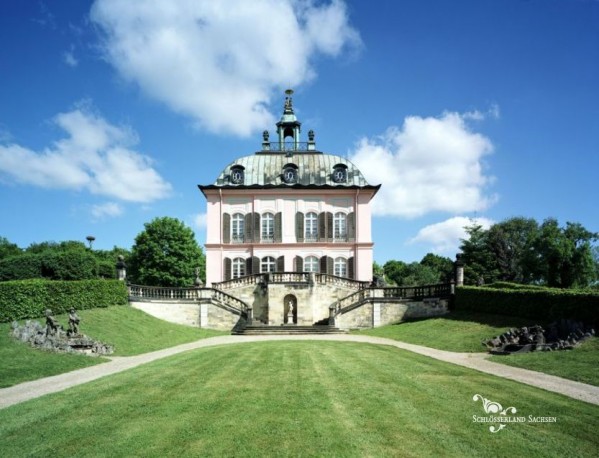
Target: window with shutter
351,227
226,228
256,234
299,227
248,228
340,267
350,268
238,268
299,264
322,227
227,269
311,227
329,227
237,228
311,264
278,227
281,264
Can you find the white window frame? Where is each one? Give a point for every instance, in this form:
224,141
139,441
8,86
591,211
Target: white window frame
268,264
312,264
311,227
237,228
238,268
340,267
267,227
340,227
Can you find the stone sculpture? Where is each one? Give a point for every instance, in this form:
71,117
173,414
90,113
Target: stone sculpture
562,335
73,323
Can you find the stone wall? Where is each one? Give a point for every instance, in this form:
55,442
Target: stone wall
381,312
180,313
214,316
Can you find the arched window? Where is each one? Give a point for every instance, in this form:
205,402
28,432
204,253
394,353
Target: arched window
311,264
268,227
238,268
311,227
340,267
237,228
267,264
340,227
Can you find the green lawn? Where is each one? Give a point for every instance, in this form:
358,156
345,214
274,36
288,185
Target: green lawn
457,331
129,330
580,364
464,332
295,399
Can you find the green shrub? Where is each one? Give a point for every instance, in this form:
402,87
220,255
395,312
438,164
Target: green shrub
30,298
107,269
69,265
541,305
21,267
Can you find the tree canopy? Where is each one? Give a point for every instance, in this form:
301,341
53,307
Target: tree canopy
520,250
166,253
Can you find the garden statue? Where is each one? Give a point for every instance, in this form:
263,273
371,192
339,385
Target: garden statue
52,324
73,323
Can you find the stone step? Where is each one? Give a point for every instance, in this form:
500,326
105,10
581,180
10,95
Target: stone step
288,329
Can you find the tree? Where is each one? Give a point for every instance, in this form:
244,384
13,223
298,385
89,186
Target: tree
479,261
413,274
166,253
512,244
441,265
8,249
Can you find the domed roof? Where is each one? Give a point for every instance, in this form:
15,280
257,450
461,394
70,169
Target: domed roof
312,169
282,163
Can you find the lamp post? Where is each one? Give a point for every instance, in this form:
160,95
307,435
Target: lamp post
90,240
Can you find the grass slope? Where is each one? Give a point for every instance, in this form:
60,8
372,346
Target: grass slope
295,399
458,331
580,364
129,330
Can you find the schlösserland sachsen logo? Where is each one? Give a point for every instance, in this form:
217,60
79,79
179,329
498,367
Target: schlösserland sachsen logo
500,417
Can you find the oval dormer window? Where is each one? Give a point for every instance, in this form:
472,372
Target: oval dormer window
290,174
237,175
340,173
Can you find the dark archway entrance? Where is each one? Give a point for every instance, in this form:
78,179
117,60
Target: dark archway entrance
290,309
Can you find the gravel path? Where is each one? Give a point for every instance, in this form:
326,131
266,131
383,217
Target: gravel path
29,390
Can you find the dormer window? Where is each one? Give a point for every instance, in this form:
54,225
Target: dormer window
340,173
290,174
237,174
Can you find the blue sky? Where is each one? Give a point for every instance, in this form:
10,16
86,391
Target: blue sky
112,112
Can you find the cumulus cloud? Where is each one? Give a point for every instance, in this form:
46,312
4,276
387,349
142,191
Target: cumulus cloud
106,210
95,156
219,63
427,165
444,237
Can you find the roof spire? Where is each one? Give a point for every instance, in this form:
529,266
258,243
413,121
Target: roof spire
288,108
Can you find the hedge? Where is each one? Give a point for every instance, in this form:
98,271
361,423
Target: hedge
541,305
24,299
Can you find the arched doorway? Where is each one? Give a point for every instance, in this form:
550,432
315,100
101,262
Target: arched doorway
290,309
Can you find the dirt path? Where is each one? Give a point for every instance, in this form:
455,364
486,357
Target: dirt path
30,390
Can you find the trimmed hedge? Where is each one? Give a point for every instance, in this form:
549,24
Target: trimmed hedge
542,305
24,299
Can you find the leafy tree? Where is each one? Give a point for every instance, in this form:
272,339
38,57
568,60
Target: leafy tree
512,244
479,262
8,249
441,265
166,253
412,274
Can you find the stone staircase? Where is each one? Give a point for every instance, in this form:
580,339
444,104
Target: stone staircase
264,330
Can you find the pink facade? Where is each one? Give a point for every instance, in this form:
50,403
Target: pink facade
289,208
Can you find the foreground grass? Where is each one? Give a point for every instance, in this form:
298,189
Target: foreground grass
21,363
295,399
580,364
131,332
457,331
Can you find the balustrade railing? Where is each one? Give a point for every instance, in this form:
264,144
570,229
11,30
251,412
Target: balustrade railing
288,277
163,292
286,146
239,282
325,279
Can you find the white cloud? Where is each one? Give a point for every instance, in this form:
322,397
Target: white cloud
444,238
220,62
106,210
427,165
200,221
94,156
68,58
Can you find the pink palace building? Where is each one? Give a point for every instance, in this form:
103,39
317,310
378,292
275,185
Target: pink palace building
289,208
